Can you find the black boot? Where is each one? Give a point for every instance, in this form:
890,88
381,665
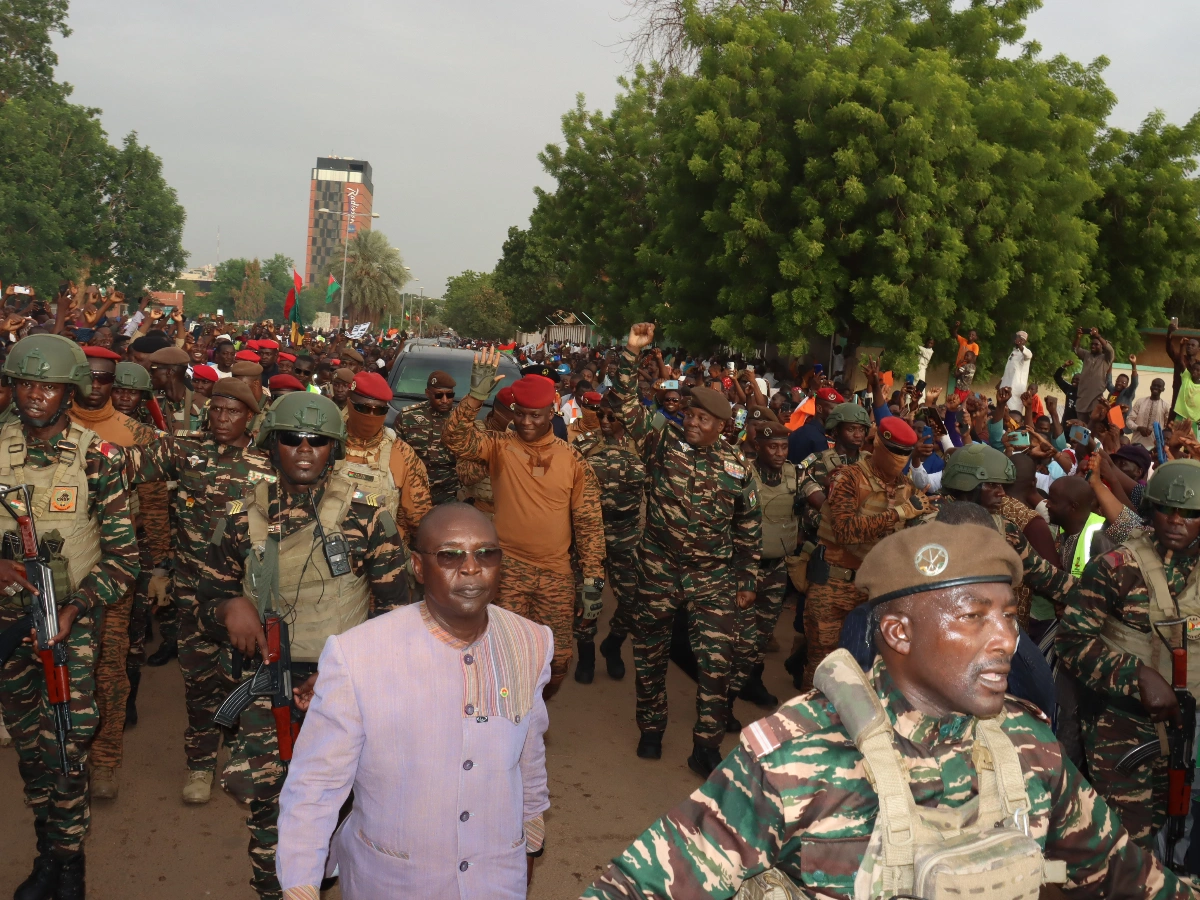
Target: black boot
754,691
610,649
732,725
70,877
795,666
43,879
704,759
585,669
650,745
166,652
135,678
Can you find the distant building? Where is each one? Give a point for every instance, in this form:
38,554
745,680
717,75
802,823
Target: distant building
201,277
344,187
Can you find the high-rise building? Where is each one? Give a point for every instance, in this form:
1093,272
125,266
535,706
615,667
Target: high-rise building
344,187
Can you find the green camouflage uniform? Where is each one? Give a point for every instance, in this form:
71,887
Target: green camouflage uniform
622,478
813,474
795,795
60,807
206,475
1112,586
422,428
377,551
700,546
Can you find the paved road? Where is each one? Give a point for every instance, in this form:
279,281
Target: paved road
148,844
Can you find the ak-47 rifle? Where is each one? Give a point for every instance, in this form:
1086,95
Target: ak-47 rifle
1179,750
273,679
43,619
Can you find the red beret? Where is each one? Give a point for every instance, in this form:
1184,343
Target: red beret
207,373
896,431
101,353
253,345
505,398
592,398
288,356
829,395
247,355
533,392
285,383
373,385
268,344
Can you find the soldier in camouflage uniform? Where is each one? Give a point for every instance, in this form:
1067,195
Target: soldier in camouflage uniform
116,681
866,502
168,367
622,478
421,426
795,804
304,434
78,490
700,547
209,469
1107,640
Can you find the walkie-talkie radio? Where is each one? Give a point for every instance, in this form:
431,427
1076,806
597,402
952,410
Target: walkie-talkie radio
337,551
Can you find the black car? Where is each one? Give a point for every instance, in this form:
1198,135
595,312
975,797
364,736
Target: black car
410,373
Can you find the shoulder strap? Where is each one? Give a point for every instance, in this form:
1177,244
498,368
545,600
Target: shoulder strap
1010,777
71,450
847,687
1154,576
258,514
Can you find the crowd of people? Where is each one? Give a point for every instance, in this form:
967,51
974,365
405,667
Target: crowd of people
991,594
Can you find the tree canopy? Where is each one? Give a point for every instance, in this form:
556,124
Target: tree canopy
877,168
375,276
474,307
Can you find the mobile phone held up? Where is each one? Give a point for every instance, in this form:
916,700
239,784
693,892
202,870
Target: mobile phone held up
1020,439
1080,435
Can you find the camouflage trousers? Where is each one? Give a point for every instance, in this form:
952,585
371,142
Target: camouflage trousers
60,808
112,683
757,623
620,572
545,597
205,685
712,624
168,620
825,609
139,622
1139,798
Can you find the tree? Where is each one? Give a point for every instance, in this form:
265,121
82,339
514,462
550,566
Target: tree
375,276
530,276
474,308
249,300
27,59
277,273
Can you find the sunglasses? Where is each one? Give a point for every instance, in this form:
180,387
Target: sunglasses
104,377
296,438
487,557
443,395
1174,510
606,417
369,409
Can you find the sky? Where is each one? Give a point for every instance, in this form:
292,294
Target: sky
450,102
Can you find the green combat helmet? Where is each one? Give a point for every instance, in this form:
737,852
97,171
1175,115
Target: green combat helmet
132,376
50,358
1175,483
304,412
977,464
847,414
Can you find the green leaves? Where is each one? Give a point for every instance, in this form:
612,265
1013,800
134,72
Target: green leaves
474,308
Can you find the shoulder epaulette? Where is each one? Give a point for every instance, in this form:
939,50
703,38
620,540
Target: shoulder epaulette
367,497
233,507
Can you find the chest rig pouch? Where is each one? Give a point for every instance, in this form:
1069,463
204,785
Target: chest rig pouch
982,849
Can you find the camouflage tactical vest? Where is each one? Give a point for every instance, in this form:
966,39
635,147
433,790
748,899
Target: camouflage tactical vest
292,575
1146,646
375,478
874,501
60,494
780,524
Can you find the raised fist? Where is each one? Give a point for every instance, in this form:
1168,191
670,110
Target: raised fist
641,336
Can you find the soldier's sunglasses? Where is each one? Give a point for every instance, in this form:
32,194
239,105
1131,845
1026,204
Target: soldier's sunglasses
296,438
443,395
1175,510
370,409
104,377
487,557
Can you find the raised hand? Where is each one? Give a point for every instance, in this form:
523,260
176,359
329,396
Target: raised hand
1003,395
1132,359
483,373
641,336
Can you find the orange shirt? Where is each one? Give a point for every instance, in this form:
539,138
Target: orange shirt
963,347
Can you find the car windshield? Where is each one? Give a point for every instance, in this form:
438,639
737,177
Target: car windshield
413,370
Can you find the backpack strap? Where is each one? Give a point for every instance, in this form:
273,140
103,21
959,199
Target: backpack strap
847,687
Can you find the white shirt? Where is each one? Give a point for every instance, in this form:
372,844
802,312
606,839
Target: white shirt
1016,376
926,354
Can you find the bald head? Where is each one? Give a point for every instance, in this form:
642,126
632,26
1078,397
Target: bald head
1071,500
964,512
459,517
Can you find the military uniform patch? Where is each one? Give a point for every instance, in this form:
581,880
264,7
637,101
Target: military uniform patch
371,499
361,476
255,477
63,499
735,470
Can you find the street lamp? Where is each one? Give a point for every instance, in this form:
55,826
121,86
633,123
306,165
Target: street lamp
345,254
403,295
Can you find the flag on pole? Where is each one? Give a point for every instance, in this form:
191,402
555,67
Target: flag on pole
291,312
331,290
298,281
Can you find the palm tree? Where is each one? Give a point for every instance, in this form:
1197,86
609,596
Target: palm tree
375,276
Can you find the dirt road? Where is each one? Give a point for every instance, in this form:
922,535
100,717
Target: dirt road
147,844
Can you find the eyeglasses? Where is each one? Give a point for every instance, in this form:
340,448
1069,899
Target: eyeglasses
296,438
487,557
1174,510
369,409
104,377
